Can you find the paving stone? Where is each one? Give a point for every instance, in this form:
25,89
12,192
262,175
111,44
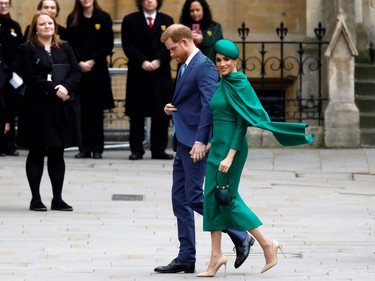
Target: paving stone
320,204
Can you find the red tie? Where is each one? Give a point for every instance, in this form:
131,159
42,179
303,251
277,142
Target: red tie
149,22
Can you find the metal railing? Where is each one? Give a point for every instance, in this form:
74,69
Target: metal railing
287,75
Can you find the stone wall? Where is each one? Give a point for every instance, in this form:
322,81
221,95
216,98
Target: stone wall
262,16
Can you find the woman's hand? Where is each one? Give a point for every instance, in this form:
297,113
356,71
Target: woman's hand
62,92
197,37
227,162
86,66
6,127
208,146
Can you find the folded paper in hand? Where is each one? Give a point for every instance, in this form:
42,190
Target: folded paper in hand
60,71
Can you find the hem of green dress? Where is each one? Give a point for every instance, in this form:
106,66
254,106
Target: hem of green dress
217,228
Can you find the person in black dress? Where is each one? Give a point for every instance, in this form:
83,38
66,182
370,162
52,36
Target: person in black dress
149,82
49,110
89,31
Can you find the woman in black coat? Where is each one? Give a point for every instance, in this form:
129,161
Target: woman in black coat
49,111
10,41
89,31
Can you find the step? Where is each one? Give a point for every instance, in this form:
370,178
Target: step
364,71
364,87
363,57
367,120
365,103
368,137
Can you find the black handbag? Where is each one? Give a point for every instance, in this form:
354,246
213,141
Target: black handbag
222,192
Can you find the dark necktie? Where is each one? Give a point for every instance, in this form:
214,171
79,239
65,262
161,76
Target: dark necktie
149,22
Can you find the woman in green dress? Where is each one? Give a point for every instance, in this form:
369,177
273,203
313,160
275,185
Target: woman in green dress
235,106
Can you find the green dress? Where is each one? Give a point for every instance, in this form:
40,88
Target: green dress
235,106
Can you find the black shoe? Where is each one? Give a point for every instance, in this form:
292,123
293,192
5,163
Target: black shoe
83,155
136,156
243,250
161,155
2,154
97,155
38,206
176,266
12,153
60,206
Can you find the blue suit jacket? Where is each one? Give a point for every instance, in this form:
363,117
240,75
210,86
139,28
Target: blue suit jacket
194,90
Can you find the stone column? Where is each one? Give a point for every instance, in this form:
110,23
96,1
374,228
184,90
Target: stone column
342,115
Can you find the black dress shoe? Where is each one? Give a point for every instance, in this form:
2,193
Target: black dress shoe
162,155
136,156
38,206
97,155
176,266
243,250
83,155
60,206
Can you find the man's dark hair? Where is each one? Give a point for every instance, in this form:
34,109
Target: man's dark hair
139,4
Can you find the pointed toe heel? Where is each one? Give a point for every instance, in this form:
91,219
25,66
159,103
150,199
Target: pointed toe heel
211,273
275,246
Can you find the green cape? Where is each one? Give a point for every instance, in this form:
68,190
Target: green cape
241,96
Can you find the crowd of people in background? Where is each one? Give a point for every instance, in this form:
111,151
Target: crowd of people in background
89,35
89,32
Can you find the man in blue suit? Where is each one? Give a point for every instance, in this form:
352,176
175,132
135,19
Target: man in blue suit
192,119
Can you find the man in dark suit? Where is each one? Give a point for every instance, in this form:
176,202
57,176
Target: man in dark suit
149,82
192,119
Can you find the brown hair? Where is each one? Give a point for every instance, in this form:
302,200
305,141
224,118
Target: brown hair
176,32
32,36
138,3
78,9
40,5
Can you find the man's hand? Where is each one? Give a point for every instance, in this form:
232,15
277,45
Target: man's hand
198,151
169,108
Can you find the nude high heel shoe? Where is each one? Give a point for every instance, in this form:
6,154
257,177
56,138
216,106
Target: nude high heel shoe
222,261
275,247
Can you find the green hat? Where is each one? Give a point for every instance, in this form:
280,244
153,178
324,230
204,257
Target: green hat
227,48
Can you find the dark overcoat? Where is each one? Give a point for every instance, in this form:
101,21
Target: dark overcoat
146,92
93,39
10,41
45,120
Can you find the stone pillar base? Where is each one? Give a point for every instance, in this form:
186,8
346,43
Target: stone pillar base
341,126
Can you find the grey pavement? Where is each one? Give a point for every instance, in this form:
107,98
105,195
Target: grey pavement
318,203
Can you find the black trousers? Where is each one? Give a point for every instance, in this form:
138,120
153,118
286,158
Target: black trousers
158,134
